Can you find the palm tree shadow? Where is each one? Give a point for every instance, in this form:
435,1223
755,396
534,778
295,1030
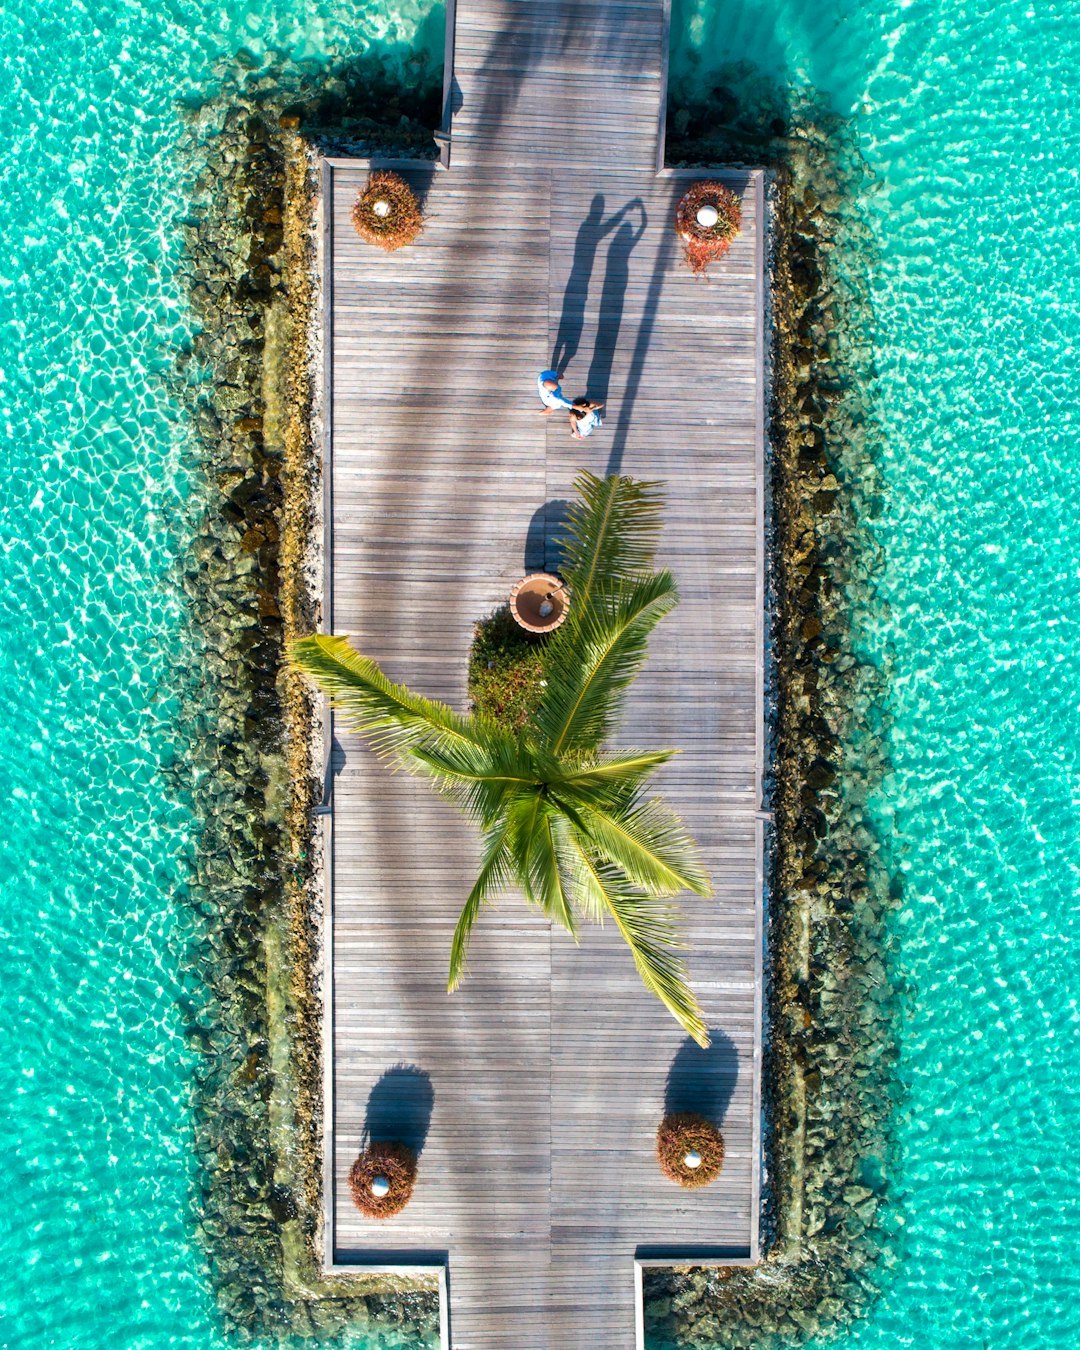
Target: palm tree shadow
702,1081
399,1108
502,89
543,551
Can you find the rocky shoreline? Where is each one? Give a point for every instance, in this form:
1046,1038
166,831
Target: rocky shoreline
831,1092
249,382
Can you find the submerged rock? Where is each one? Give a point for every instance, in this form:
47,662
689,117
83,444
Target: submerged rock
830,1088
254,1021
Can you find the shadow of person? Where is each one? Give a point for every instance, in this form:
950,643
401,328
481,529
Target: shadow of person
702,1080
542,549
572,319
591,231
399,1108
662,262
612,299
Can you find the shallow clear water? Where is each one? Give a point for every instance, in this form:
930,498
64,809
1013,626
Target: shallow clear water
969,129
97,1245
968,123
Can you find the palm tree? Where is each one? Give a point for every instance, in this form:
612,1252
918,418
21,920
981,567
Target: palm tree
567,821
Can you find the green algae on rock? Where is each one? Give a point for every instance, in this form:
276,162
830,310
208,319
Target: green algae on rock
249,383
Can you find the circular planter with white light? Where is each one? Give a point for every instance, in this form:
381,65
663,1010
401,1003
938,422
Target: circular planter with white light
689,1149
707,220
387,213
382,1179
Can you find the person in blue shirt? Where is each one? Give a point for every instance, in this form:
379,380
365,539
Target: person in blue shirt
551,395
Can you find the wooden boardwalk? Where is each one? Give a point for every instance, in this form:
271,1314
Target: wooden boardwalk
538,1086
575,84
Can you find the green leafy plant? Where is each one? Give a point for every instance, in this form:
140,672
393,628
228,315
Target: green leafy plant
685,1132
568,822
387,212
707,243
394,1162
506,670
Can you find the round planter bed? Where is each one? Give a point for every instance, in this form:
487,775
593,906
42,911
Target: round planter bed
707,219
689,1149
387,212
382,1179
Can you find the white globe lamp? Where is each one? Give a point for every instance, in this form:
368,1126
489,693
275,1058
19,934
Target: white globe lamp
707,216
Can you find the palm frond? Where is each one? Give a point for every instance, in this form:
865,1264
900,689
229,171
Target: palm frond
610,532
619,771
494,876
478,778
647,925
392,718
587,670
649,842
551,881
538,846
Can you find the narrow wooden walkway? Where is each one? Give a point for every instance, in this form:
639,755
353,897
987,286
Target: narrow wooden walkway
539,1085
558,83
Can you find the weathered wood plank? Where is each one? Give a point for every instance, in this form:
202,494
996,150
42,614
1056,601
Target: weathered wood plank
548,1066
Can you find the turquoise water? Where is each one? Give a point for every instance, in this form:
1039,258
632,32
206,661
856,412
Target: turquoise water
967,122
97,1248
968,130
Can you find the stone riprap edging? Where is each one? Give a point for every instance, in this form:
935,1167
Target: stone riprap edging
249,383
831,1090
829,1069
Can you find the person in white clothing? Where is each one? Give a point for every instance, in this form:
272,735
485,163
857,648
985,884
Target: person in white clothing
551,395
584,418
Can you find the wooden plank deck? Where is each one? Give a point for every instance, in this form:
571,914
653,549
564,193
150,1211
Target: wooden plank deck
558,83
547,1071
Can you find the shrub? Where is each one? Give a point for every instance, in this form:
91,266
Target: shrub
706,243
403,221
680,1132
505,670
397,1164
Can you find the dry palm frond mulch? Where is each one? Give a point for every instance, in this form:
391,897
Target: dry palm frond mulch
677,1135
707,243
402,223
397,1164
